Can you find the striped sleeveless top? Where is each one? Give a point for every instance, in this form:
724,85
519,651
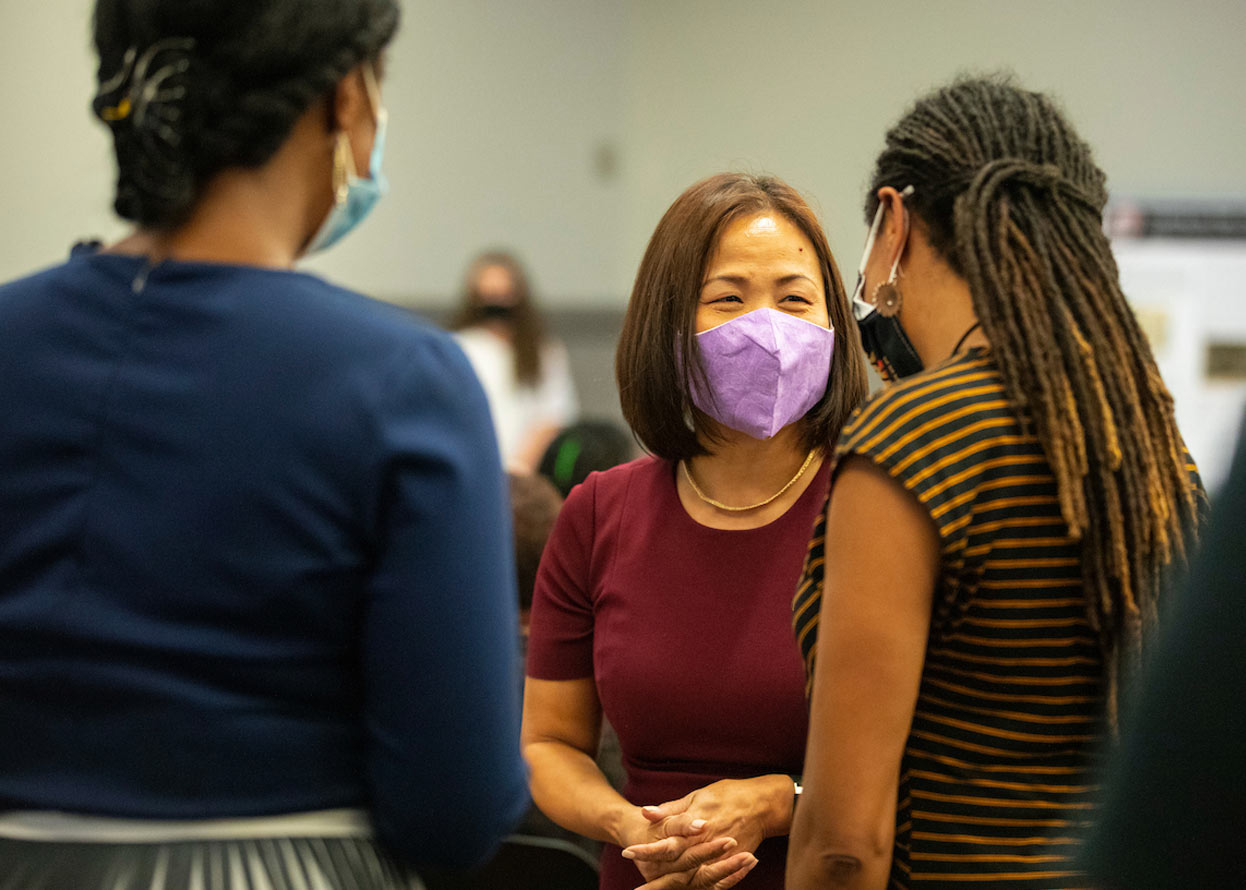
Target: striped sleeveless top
996,781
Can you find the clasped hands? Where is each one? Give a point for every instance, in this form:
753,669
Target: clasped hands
706,839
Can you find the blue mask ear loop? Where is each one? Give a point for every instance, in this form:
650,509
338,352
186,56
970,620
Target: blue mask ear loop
354,196
373,88
861,308
379,114
382,122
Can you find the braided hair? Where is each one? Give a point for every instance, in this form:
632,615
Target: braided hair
193,87
1012,199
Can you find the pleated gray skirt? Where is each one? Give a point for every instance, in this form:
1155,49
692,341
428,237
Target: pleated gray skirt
298,863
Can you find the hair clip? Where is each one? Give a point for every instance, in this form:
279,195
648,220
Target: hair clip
147,93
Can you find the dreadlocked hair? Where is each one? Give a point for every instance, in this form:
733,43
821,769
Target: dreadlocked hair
1012,199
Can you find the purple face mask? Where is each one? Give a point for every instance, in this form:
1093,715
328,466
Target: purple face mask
764,370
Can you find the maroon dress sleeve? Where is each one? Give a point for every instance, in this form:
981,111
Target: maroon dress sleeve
560,641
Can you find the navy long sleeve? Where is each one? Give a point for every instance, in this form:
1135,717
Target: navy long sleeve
254,558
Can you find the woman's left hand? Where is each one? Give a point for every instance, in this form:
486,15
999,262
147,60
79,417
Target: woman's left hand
746,810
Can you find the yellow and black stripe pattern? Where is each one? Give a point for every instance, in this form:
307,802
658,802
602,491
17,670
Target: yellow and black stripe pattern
997,773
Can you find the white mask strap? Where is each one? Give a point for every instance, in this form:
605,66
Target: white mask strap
860,306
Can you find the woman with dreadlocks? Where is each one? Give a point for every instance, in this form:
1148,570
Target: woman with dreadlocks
1001,516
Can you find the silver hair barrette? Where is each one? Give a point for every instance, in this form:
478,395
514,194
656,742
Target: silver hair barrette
153,90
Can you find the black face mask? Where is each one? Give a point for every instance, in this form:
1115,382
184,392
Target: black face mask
497,311
889,349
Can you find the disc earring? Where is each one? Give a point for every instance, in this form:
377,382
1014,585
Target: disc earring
887,299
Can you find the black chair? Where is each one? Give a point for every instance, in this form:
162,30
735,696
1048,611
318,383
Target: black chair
524,862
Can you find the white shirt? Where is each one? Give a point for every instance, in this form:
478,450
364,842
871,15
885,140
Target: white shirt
520,410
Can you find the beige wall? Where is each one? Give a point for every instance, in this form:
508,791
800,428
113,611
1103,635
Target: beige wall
806,88
502,110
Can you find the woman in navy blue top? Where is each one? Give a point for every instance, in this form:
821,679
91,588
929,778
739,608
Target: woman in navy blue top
256,592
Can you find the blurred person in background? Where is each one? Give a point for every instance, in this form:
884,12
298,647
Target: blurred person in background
663,598
535,503
525,372
1001,520
256,594
582,448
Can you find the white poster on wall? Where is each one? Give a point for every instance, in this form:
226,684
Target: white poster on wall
1190,297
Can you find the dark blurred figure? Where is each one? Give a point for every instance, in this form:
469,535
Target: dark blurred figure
1175,808
535,503
534,507
582,448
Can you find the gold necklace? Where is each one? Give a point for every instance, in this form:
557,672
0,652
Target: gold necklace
721,506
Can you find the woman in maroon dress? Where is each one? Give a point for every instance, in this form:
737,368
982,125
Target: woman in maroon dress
663,599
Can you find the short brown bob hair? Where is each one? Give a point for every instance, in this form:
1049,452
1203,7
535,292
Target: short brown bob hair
660,325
